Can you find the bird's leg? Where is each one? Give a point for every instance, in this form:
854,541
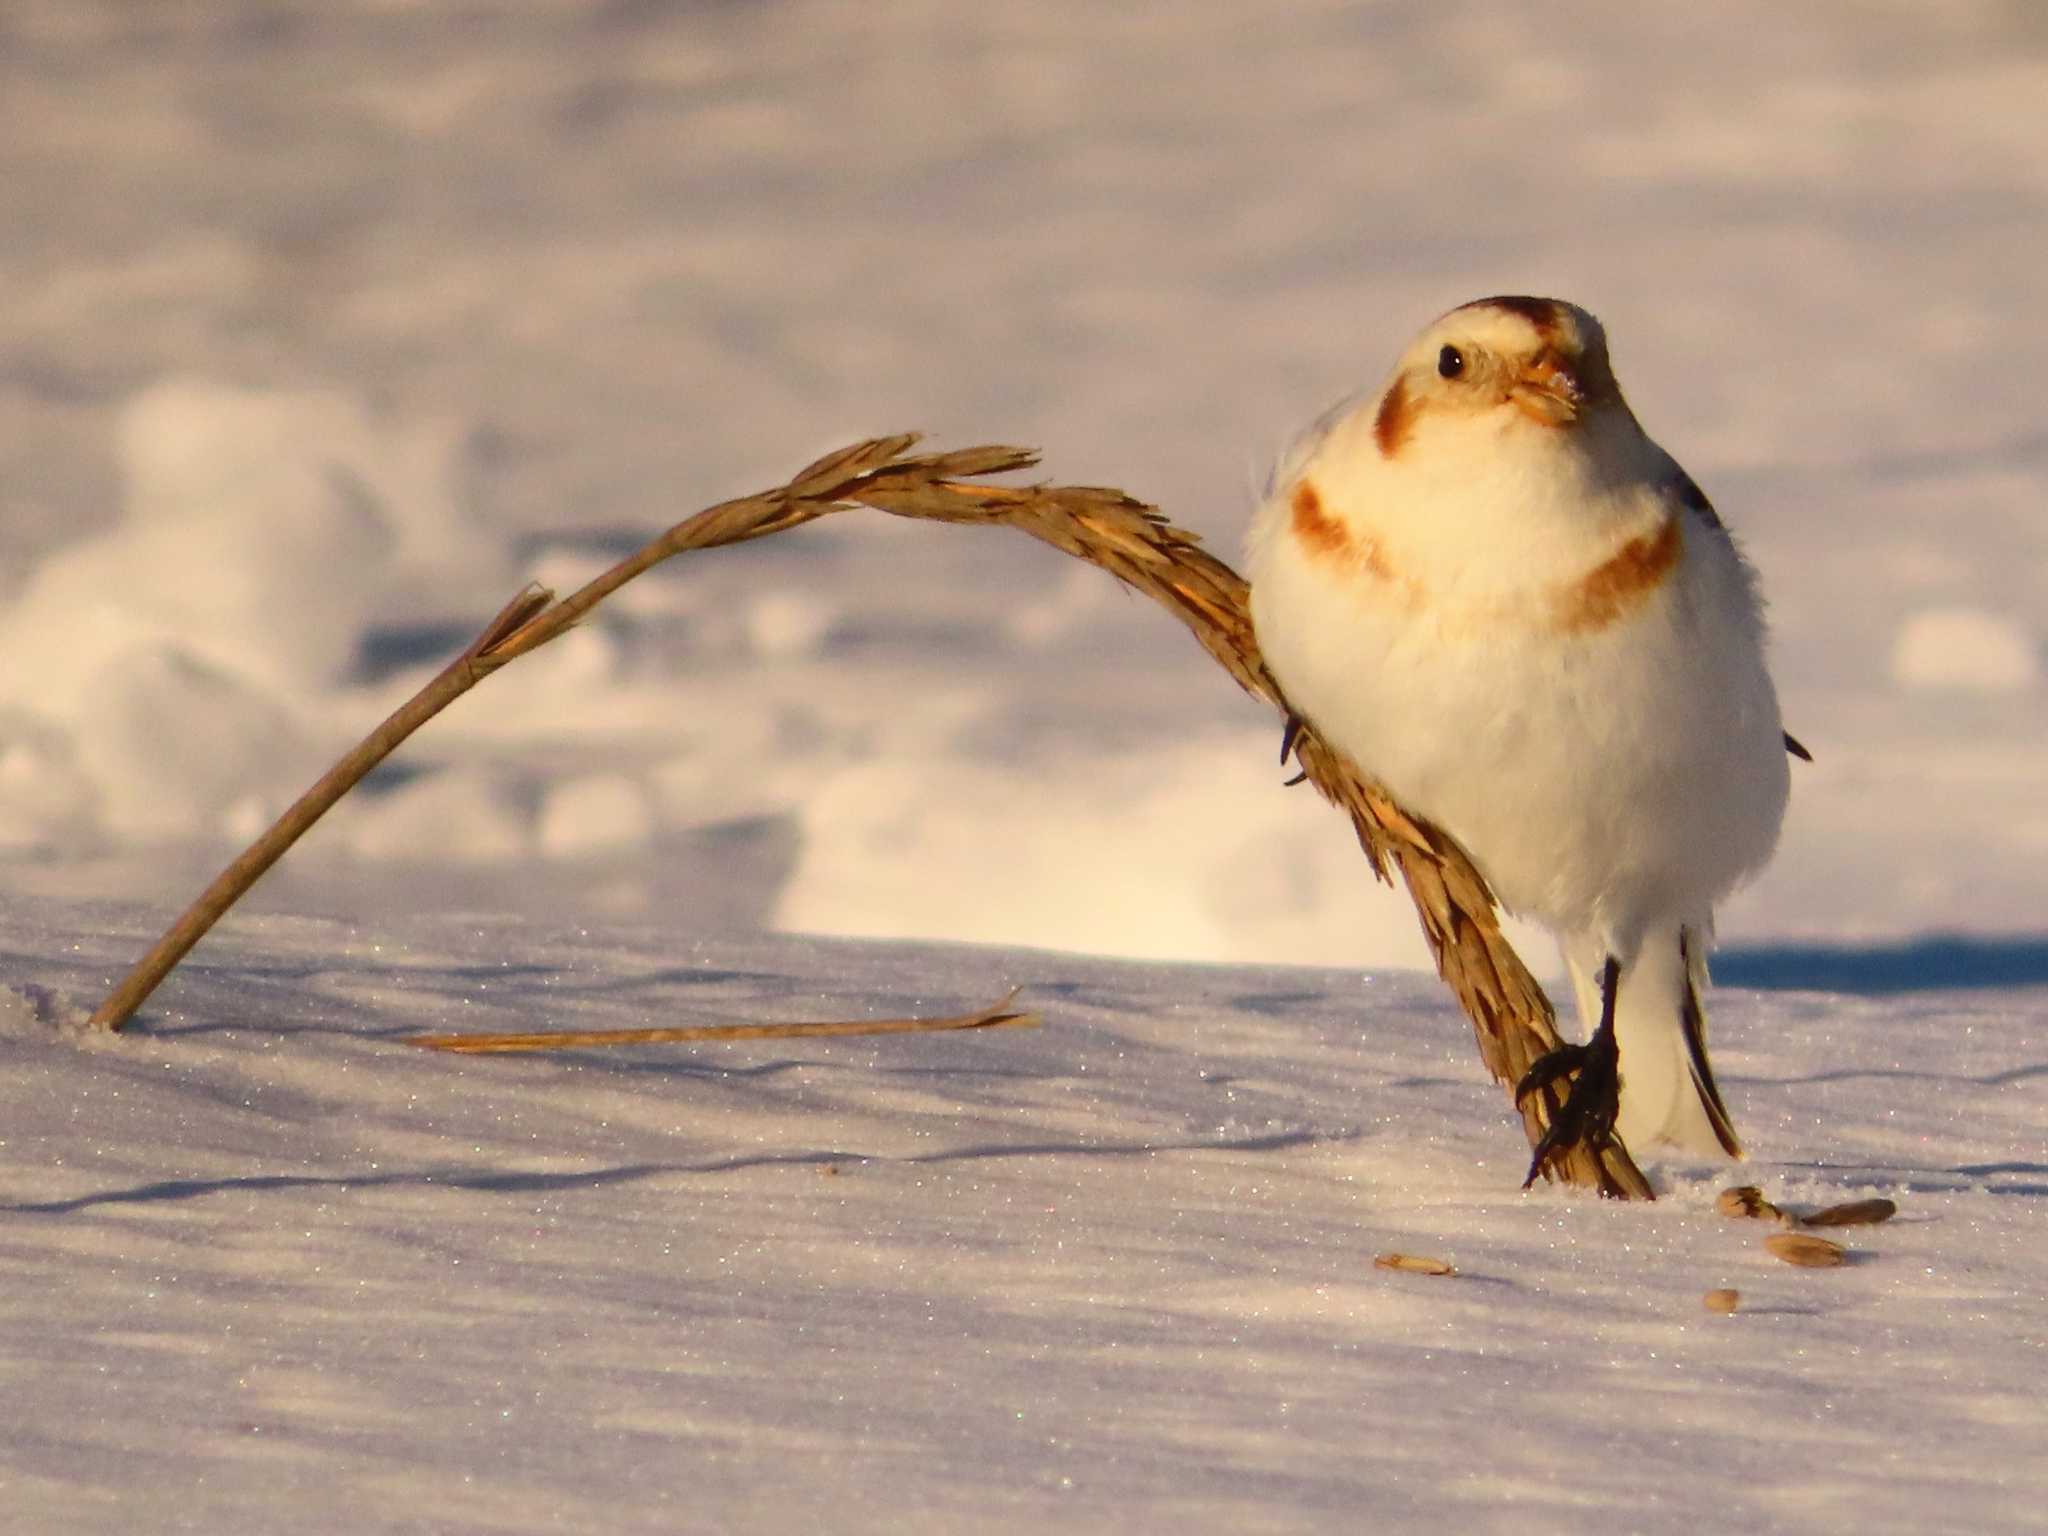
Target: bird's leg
1587,1116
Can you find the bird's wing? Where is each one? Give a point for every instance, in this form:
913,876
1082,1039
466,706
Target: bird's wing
1686,491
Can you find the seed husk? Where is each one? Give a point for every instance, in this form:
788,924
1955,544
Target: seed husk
1855,1213
1414,1264
1746,1200
1806,1251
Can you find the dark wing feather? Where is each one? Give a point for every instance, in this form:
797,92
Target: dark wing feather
1693,499
1694,1022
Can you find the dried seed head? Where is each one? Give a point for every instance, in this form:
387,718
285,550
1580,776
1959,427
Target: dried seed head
1747,1200
1805,1251
1856,1213
1415,1264
1724,1300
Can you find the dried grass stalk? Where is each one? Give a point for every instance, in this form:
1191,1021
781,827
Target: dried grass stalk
1512,1020
998,1015
530,620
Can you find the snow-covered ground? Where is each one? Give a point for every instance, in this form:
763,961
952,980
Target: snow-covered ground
322,328
1113,1273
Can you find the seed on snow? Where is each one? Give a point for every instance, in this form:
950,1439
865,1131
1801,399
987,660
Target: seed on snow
1746,1200
1855,1213
1414,1264
1806,1251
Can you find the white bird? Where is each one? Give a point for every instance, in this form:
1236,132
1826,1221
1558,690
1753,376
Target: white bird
1490,589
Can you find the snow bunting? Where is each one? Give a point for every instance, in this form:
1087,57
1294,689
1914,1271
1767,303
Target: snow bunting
1499,598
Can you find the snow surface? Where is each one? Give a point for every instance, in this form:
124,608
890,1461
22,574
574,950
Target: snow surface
323,328
1115,1272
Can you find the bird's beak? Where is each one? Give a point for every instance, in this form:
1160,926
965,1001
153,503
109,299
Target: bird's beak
1548,392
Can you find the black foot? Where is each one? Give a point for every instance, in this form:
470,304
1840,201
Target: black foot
1587,1116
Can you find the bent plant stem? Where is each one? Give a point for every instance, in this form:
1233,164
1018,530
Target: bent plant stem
1512,1020
529,621
450,684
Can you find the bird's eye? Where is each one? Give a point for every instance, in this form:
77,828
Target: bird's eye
1450,362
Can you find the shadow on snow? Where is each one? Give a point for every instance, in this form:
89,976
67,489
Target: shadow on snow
514,1181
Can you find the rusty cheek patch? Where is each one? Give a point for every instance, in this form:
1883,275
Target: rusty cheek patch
1620,583
1394,420
1325,538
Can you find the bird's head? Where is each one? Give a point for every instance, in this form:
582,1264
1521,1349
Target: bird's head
1499,455
1500,365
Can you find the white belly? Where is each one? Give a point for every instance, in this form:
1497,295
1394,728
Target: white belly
1603,782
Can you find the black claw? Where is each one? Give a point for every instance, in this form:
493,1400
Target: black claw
1549,1068
1289,734
1288,738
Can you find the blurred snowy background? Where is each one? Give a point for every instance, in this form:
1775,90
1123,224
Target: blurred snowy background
323,327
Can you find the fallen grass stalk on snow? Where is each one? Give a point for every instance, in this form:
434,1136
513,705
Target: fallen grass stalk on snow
1512,1020
998,1015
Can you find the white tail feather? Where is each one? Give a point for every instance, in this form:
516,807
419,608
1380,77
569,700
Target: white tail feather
1668,1093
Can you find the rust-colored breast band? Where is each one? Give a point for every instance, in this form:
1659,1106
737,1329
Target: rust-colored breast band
1326,538
1621,583
1322,533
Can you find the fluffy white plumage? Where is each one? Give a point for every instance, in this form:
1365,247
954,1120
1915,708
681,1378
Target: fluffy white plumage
1501,599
